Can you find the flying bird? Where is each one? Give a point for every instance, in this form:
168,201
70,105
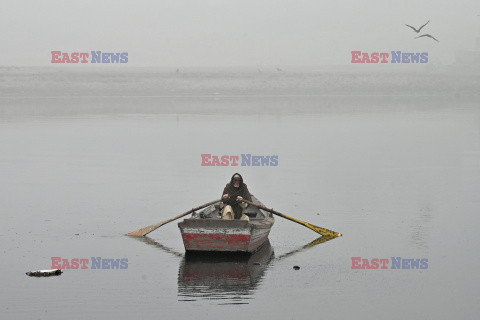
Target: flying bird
427,35
417,30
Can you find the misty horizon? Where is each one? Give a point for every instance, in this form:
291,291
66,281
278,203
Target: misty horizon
217,34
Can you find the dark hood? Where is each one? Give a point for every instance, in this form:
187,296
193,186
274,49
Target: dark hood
241,179
233,192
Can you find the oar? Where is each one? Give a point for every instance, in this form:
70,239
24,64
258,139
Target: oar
322,231
144,231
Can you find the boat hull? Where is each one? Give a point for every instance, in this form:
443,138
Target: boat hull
224,235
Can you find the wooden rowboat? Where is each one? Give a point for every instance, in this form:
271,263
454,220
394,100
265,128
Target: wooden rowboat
206,231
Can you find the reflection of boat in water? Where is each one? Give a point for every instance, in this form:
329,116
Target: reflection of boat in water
222,275
231,278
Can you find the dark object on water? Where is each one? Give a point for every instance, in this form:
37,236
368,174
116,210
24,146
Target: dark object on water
214,234
44,273
256,263
296,267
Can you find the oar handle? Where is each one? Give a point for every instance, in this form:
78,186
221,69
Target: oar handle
317,229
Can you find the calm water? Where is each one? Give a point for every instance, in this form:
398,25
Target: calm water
391,160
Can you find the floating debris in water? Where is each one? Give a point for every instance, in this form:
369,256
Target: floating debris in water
256,263
296,267
44,273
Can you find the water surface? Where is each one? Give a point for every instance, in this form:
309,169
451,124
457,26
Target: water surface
392,161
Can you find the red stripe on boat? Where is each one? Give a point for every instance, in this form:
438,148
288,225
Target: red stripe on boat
207,241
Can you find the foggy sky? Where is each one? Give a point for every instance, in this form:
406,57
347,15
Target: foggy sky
188,33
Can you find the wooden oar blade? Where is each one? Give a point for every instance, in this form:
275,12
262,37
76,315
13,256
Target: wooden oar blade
323,231
144,231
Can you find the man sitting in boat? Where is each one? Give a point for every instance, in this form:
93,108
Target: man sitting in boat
233,194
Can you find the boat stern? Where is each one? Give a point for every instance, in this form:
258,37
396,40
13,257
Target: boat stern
216,235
